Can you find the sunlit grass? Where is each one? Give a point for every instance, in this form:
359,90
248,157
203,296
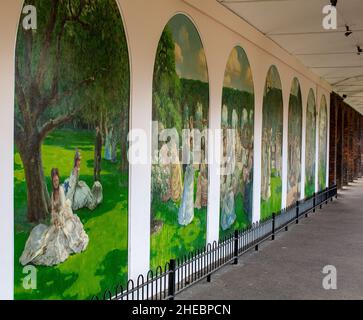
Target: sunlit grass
104,263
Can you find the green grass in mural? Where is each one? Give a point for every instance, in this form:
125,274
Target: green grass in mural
241,222
104,263
274,203
173,241
309,188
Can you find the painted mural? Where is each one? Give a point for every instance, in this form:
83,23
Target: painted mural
237,144
180,108
323,142
294,144
272,130
70,160
310,145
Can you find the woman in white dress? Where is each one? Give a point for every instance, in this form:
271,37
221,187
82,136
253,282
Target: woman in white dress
108,145
186,210
228,216
52,245
78,192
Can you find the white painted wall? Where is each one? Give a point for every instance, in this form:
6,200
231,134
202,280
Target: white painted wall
144,21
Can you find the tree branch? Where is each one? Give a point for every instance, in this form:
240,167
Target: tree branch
54,90
28,41
66,94
54,96
55,123
47,42
20,96
19,135
28,38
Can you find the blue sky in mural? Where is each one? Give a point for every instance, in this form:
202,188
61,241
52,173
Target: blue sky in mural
273,79
238,73
295,88
189,54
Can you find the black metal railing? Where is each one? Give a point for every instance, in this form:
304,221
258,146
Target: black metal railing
179,274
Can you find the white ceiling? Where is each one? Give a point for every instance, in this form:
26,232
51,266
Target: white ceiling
296,26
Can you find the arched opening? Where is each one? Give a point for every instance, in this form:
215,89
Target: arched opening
272,131
237,152
179,195
323,143
294,144
310,153
72,115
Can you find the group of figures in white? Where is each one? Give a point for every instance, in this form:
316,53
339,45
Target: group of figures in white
53,244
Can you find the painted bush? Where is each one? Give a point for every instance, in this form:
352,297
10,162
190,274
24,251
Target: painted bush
310,145
272,130
323,143
294,144
181,104
237,125
70,160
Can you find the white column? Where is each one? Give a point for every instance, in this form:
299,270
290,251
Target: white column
142,48
327,96
8,30
257,159
285,140
318,98
305,95
214,154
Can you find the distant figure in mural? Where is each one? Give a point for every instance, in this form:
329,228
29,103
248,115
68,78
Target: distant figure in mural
78,192
176,174
186,210
98,155
114,140
202,188
52,245
165,173
228,216
108,146
236,148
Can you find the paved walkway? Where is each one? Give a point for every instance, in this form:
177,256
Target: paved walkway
291,266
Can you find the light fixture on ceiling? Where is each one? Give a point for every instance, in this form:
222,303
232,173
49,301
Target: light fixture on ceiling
360,50
348,32
334,2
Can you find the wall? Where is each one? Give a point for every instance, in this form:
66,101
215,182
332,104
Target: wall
346,150
210,19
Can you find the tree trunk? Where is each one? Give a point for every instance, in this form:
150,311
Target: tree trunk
37,192
124,166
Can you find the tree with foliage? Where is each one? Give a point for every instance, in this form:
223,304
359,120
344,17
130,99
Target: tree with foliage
76,60
166,85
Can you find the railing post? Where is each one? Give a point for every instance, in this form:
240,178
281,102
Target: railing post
327,196
314,202
235,247
273,226
297,211
171,287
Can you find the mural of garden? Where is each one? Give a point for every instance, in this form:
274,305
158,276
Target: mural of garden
237,157
294,144
272,130
310,145
323,143
180,102
70,160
